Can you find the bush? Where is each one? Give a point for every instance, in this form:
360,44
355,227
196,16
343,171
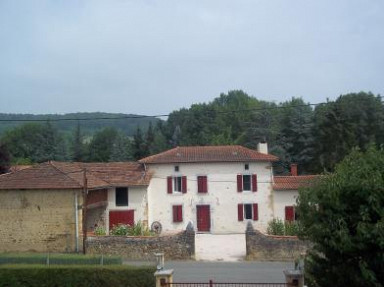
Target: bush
275,227
58,259
137,229
279,227
38,275
100,230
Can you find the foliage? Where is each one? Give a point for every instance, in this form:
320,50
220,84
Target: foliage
343,216
57,259
100,230
279,227
5,159
35,275
137,229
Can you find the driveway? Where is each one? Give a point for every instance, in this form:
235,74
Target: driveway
220,247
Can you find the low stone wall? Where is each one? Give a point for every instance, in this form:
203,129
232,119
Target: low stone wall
179,246
273,248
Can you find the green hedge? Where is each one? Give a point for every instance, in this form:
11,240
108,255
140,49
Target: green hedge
60,276
58,259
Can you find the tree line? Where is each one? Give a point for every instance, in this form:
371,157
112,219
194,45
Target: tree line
314,136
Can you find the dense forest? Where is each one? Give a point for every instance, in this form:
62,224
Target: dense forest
316,136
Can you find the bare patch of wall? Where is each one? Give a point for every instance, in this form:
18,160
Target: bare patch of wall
38,221
180,246
273,248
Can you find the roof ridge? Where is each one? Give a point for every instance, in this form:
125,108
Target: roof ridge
64,173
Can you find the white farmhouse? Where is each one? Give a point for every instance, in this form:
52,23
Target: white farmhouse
217,188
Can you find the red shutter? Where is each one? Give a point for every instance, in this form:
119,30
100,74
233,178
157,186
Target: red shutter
240,210
177,212
255,211
254,182
202,186
184,184
239,183
180,213
169,184
289,213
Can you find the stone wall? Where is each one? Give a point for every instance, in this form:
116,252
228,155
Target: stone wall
39,220
180,246
273,248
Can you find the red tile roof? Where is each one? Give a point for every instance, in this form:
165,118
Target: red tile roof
66,175
229,153
293,182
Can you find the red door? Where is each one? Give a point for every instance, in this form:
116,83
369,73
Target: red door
121,216
203,218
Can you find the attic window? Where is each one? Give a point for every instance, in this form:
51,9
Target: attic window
246,166
177,168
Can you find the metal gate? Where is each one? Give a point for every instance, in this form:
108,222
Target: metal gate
215,284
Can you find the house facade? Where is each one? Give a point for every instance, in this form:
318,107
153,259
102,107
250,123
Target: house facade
217,188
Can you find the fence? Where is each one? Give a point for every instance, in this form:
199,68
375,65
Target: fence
215,284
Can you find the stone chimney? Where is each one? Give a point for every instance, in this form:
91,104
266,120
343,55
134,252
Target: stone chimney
294,169
262,147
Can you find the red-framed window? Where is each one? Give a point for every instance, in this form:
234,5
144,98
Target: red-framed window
202,184
290,213
247,182
177,213
176,184
247,211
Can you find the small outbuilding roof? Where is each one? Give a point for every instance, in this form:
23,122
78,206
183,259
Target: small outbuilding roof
192,154
70,175
293,182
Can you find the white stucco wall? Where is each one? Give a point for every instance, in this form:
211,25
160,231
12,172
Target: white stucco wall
283,198
137,201
222,195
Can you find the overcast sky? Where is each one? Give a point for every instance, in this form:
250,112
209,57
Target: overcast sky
152,57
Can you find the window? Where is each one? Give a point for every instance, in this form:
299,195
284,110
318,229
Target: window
246,166
246,182
291,213
248,211
121,196
202,184
177,211
176,184
176,168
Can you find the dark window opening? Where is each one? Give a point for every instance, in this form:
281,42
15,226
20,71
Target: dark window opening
177,184
248,211
121,196
246,166
246,182
176,168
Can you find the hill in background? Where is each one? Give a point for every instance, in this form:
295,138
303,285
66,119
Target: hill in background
89,122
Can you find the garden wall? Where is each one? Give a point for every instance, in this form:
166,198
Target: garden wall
273,248
180,246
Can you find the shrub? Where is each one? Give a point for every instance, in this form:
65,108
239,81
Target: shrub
137,229
100,230
38,275
279,227
275,227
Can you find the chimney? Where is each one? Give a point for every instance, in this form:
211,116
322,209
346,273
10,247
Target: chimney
262,147
294,169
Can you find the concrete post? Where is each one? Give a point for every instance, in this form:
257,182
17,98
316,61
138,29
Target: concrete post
163,277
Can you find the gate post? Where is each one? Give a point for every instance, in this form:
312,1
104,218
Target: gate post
164,277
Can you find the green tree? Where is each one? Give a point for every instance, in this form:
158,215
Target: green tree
5,159
101,145
77,145
343,216
353,120
35,143
139,147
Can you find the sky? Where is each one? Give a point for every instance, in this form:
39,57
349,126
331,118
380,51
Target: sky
152,57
